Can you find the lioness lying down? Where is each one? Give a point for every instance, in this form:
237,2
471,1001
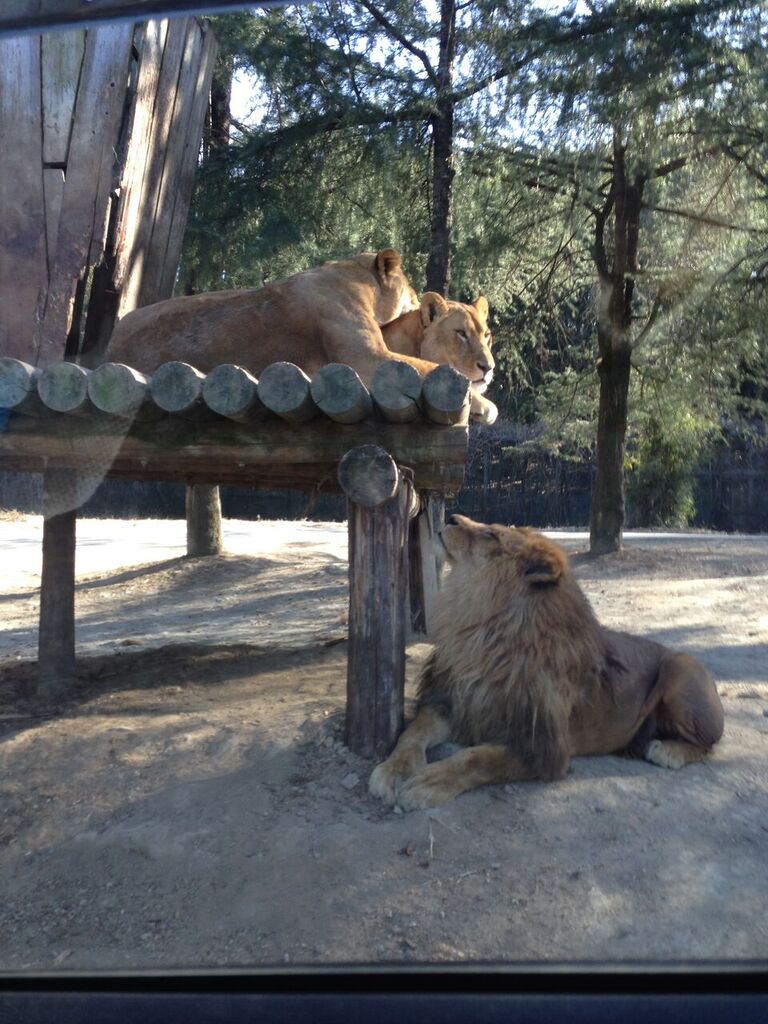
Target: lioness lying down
332,314
526,678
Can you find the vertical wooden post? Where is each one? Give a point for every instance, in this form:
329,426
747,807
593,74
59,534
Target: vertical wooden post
203,507
56,637
423,572
378,508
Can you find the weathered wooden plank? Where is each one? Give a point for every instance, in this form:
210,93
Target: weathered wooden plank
129,257
36,15
182,194
89,178
377,593
225,451
53,192
169,159
23,266
62,59
139,227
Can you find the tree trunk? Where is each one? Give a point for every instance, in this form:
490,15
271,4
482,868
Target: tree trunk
616,290
439,262
607,512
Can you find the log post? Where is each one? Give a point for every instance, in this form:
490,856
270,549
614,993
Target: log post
63,387
178,387
378,501
18,386
118,390
203,508
423,569
56,636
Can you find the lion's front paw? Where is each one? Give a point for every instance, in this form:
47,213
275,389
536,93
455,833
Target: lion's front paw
384,781
666,755
429,788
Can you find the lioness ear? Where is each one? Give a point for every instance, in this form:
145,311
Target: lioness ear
387,262
543,565
482,307
432,307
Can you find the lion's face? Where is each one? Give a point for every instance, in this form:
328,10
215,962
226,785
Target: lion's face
458,334
518,554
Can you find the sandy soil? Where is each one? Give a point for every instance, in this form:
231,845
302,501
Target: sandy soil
193,803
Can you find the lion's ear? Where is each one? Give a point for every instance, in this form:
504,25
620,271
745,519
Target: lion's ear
482,307
543,565
388,262
432,307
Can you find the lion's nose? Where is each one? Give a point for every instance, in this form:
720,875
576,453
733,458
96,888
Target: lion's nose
453,520
484,368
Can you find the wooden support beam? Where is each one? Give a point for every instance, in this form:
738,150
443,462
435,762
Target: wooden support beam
377,594
18,386
203,508
423,568
56,636
338,392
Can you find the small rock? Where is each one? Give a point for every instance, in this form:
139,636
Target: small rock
765,712
350,781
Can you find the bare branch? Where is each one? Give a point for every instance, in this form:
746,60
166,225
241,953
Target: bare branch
713,222
397,35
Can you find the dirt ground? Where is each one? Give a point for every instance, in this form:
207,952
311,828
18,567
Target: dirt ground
193,802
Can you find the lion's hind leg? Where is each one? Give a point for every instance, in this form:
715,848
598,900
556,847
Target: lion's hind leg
689,715
428,728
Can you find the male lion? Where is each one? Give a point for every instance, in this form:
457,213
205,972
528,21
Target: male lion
523,674
442,331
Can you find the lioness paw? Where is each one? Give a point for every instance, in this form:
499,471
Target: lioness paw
482,410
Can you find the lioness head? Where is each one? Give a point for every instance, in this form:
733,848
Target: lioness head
458,334
395,294
521,555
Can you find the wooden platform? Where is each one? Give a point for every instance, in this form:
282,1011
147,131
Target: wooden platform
395,449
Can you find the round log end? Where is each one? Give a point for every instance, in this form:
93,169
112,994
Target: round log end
338,392
396,388
230,390
63,387
17,382
176,386
446,395
368,475
285,390
117,389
